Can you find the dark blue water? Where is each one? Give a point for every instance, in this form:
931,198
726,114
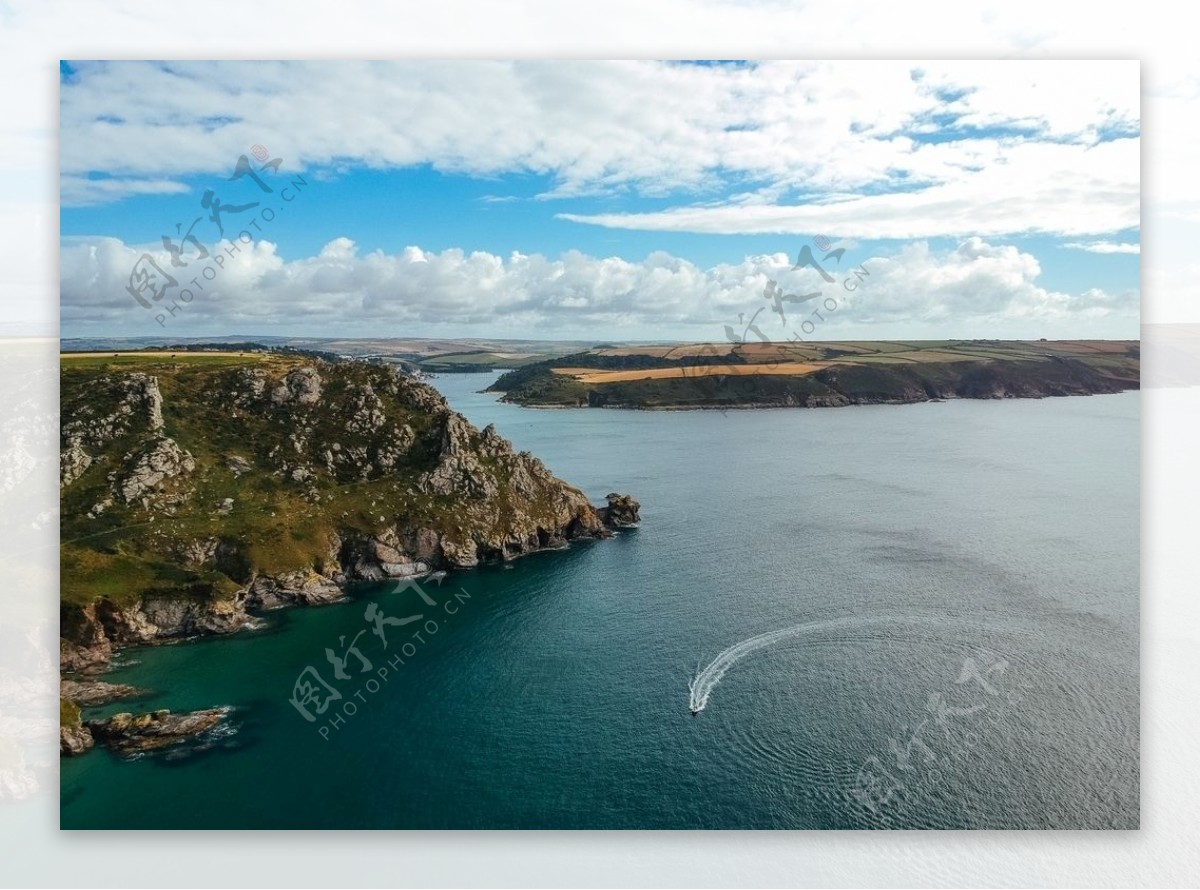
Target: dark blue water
957,585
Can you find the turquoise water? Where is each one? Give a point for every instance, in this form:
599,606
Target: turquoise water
896,550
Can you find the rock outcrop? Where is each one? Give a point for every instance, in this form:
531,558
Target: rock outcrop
303,587
72,462
92,632
621,512
159,459
89,694
302,387
84,647
135,402
133,734
75,740
73,737
458,471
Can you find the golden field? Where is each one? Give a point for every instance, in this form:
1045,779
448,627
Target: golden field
593,376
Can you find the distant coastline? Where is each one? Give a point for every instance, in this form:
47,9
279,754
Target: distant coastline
818,375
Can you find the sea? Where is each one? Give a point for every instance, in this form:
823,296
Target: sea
871,617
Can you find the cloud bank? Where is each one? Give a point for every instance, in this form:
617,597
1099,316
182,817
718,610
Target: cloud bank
973,289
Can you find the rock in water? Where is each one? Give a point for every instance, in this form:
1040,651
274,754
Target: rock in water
73,737
91,693
74,740
621,512
130,734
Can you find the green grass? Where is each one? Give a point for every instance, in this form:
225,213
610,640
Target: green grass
68,713
150,361
91,574
125,550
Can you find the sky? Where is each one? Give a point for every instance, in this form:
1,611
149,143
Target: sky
601,200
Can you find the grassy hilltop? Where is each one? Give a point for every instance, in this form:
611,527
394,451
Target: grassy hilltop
242,452
195,486
823,374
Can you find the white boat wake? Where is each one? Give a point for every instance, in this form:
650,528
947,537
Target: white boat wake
888,629
702,684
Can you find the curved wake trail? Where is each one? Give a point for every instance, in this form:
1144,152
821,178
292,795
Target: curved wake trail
704,681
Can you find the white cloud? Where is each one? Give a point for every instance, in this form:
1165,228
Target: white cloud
80,191
1025,158
1053,188
967,291
1105,246
976,281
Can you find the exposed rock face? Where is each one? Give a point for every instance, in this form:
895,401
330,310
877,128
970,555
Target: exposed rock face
83,644
95,692
222,554
301,387
138,407
130,734
458,470
251,384
146,392
73,737
386,556
90,633
460,552
158,459
302,587
172,616
417,395
237,464
365,409
75,740
526,506
72,462
621,512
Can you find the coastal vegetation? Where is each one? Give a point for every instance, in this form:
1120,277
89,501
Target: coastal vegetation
823,374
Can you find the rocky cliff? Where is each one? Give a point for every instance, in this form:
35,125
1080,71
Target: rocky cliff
196,491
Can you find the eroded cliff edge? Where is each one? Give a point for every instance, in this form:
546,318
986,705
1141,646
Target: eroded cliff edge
195,492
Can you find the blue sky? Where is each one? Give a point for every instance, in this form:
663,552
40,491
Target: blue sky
389,210
641,200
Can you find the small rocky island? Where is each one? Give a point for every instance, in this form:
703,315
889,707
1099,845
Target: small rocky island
198,489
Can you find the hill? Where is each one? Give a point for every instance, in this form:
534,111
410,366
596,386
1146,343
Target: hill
198,487
829,374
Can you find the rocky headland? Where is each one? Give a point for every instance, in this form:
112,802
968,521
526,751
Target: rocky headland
196,493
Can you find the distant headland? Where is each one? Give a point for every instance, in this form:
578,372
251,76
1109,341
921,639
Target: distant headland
831,374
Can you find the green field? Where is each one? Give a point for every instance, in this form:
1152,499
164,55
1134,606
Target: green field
156,358
451,362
